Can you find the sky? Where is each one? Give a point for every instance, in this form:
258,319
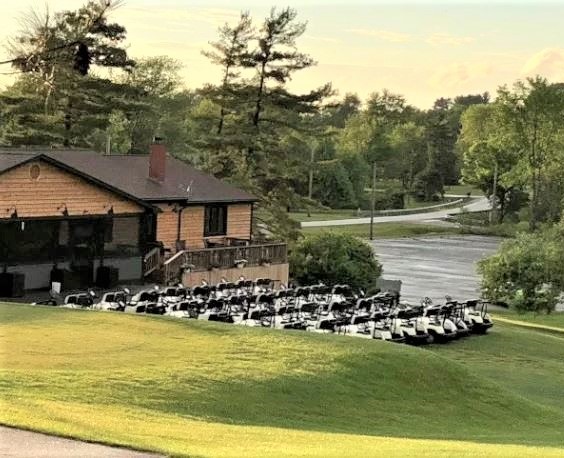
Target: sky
421,49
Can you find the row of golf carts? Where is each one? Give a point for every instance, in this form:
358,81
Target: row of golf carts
316,308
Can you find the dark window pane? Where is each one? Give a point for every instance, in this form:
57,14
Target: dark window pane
215,220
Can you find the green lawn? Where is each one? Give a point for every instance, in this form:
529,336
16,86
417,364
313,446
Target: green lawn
329,215
202,389
528,363
555,319
463,189
398,230
324,215
386,230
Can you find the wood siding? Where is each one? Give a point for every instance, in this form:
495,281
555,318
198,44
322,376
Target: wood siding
52,191
239,221
192,228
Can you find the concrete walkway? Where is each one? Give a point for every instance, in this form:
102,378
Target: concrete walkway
481,204
18,443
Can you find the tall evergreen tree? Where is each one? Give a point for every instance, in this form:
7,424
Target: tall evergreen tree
58,52
231,52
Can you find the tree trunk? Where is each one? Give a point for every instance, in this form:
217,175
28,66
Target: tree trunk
222,111
533,205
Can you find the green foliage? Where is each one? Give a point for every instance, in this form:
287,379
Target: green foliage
333,186
532,126
527,272
57,53
332,258
428,185
255,119
408,145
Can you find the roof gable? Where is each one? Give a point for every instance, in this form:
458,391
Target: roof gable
39,187
128,174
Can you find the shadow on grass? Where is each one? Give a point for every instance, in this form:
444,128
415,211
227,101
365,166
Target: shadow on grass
430,399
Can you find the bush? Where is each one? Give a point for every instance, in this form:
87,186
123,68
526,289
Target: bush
333,187
389,200
527,272
332,259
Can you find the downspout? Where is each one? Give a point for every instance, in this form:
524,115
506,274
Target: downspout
179,227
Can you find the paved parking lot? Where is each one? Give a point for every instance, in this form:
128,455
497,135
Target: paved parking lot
435,266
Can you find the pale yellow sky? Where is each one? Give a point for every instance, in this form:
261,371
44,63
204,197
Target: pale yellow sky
423,50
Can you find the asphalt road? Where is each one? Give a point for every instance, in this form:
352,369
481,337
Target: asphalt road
435,266
477,205
19,444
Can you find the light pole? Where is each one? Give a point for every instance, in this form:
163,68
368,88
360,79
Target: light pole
493,211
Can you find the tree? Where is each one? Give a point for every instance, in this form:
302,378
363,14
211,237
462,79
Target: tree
333,185
408,146
443,127
57,53
532,126
332,259
487,158
387,108
429,182
339,113
254,129
527,272
231,52
441,137
155,86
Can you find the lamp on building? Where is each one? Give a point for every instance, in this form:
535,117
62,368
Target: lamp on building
109,209
13,211
63,209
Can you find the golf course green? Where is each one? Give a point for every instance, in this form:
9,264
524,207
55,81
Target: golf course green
194,388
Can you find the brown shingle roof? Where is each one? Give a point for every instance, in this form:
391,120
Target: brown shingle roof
129,174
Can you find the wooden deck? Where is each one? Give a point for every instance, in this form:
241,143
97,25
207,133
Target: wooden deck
227,257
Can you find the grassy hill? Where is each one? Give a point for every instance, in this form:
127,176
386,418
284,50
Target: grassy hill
202,389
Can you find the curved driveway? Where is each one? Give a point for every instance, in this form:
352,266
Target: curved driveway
480,204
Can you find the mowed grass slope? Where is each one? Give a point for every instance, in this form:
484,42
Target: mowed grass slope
202,389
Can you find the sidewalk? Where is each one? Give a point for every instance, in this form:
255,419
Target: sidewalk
19,443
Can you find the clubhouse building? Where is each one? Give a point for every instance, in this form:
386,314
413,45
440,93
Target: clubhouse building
83,219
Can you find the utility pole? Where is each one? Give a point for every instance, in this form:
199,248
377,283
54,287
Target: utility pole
493,212
373,200
108,144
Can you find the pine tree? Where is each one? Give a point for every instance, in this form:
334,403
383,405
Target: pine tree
59,51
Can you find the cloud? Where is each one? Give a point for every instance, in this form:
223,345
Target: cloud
179,15
438,39
548,62
435,39
459,74
385,35
322,39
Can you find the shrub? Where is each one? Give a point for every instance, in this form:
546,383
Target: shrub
334,188
527,272
333,258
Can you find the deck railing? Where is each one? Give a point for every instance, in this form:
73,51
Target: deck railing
225,258
152,261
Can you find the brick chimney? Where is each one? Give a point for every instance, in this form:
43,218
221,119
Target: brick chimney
157,160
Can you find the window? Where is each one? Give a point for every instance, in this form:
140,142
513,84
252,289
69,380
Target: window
215,220
33,241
